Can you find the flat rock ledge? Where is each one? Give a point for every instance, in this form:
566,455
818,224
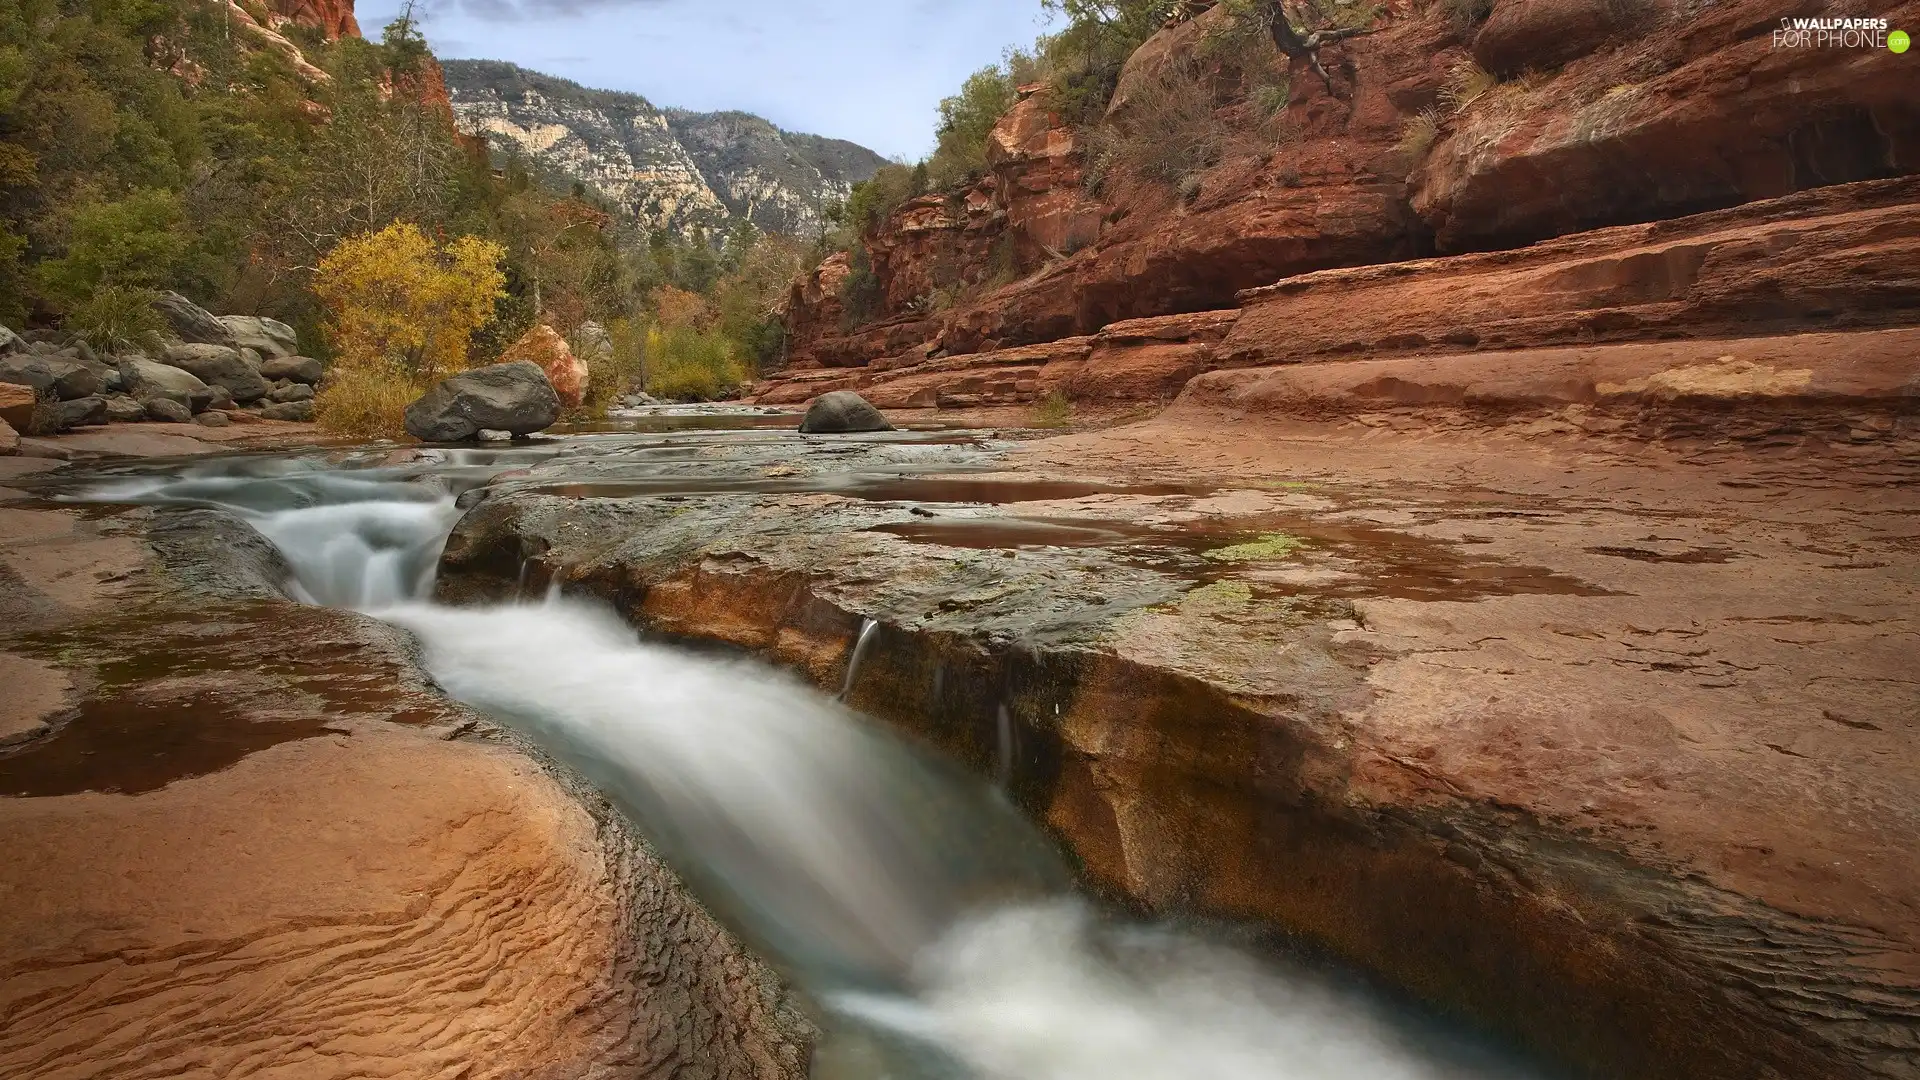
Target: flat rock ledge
1594,723
312,865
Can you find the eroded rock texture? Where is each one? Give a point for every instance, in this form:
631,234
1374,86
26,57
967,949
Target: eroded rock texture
1596,115
246,838
1564,686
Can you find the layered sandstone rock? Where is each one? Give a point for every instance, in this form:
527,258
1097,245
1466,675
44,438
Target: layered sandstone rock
1839,257
1609,114
1622,775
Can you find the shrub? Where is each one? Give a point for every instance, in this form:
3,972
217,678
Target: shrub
966,125
1053,411
1170,133
118,318
1084,59
366,401
684,363
136,242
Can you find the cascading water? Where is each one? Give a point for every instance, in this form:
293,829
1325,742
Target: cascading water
908,898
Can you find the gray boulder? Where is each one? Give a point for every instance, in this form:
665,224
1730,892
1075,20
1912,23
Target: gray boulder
300,369
10,342
192,323
146,380
122,409
212,418
268,337
217,365
63,377
168,411
79,412
514,397
291,392
301,411
840,412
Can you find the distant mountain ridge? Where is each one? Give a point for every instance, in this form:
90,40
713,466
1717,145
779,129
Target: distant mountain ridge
666,168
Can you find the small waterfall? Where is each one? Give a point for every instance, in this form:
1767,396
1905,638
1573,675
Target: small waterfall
909,898
868,628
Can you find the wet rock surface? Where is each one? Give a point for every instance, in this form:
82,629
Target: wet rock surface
1598,733
248,836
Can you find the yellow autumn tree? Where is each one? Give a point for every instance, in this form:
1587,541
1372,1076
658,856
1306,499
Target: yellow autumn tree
401,312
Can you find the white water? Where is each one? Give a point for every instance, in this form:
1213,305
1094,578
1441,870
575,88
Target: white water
908,898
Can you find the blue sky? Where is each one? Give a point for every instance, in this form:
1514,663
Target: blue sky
868,70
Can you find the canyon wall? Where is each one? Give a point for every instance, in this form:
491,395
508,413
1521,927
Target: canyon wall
1572,120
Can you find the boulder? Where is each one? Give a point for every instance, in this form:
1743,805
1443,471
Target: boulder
300,411
207,397
17,404
192,323
300,369
514,397
212,418
79,412
9,341
147,380
842,411
218,365
1543,34
270,338
162,410
291,392
63,377
122,409
543,346
9,438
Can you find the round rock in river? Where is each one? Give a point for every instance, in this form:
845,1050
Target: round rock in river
842,411
512,397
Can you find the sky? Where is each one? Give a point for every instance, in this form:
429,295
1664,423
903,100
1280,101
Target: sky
872,71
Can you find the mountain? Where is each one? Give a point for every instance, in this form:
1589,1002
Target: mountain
667,168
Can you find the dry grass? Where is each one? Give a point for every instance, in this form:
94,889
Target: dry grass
1466,83
1170,134
366,401
1053,411
1418,134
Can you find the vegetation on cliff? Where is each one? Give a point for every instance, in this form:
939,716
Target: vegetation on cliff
247,161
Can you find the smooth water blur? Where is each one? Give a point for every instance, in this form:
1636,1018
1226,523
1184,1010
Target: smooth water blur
838,849
907,897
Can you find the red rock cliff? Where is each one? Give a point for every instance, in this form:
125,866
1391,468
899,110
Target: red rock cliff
1596,114
333,18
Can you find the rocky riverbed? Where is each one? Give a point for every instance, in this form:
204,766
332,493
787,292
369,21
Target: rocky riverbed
1588,724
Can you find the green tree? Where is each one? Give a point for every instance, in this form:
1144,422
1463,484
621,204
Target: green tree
966,123
137,242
